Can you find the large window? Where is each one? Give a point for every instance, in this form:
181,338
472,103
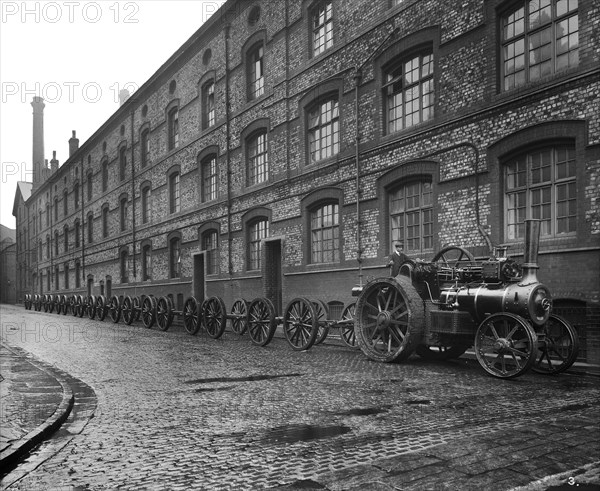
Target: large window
325,234
146,262
105,221
210,244
90,228
411,215
145,146
104,176
539,38
408,91
124,266
146,204
77,234
65,203
323,130
122,163
123,213
258,158
66,237
258,230
175,257
209,178
256,75
173,128
541,184
174,196
322,27
208,104
56,241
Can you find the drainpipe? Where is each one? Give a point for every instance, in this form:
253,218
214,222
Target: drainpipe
359,250
227,149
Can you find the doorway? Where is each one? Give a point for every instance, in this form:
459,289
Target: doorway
198,286
272,273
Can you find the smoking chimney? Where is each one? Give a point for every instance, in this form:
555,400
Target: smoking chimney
38,139
73,144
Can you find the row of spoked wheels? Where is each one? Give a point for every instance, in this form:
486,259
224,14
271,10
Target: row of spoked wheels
389,328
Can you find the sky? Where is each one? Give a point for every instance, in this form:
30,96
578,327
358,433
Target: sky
77,55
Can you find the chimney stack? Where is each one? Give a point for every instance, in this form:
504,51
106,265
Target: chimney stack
73,144
54,162
38,139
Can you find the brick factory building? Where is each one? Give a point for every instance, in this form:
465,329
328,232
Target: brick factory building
286,144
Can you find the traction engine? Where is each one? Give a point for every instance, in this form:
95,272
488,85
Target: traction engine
441,308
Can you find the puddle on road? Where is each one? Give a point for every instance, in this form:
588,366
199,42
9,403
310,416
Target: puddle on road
212,389
250,378
302,433
422,402
368,411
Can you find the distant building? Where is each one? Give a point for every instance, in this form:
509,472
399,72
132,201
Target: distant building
8,261
286,144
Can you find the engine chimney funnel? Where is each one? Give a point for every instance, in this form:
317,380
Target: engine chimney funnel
73,144
532,245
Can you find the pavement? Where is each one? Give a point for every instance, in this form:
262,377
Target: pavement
37,399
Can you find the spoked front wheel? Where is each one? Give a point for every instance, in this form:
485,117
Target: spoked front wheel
558,347
505,345
214,317
164,313
239,316
347,326
191,316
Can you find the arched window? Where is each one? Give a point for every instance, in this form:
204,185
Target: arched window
255,71
47,214
57,278
325,233
323,121
66,237
122,162
174,193
77,232
145,203
66,276
65,203
48,247
541,183
146,261
411,215
56,209
145,146
90,228
257,231
56,243
173,128
77,274
124,264
208,172
210,244
538,39
76,195
105,221
123,212
408,90
208,104
175,257
90,176
258,157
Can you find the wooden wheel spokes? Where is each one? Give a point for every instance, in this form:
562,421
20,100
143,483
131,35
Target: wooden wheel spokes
322,312
300,324
101,307
389,319
81,306
137,308
45,303
505,345
51,303
164,313
73,305
261,321
239,316
91,307
347,326
65,304
38,302
114,309
214,317
191,315
558,346
127,310
148,311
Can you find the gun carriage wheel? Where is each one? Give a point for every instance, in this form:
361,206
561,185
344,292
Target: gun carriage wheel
149,311
38,302
558,345
300,324
239,316
127,310
114,309
64,304
26,298
137,308
45,303
164,313
214,317
389,319
191,315
322,312
52,303
101,309
81,306
261,321
346,325
91,307
505,345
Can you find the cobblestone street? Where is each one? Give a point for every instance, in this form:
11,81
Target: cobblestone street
174,411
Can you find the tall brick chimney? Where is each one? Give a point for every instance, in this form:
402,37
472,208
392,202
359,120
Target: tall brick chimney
73,144
38,140
54,162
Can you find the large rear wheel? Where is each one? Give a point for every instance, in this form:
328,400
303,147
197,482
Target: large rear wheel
214,317
261,321
389,319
